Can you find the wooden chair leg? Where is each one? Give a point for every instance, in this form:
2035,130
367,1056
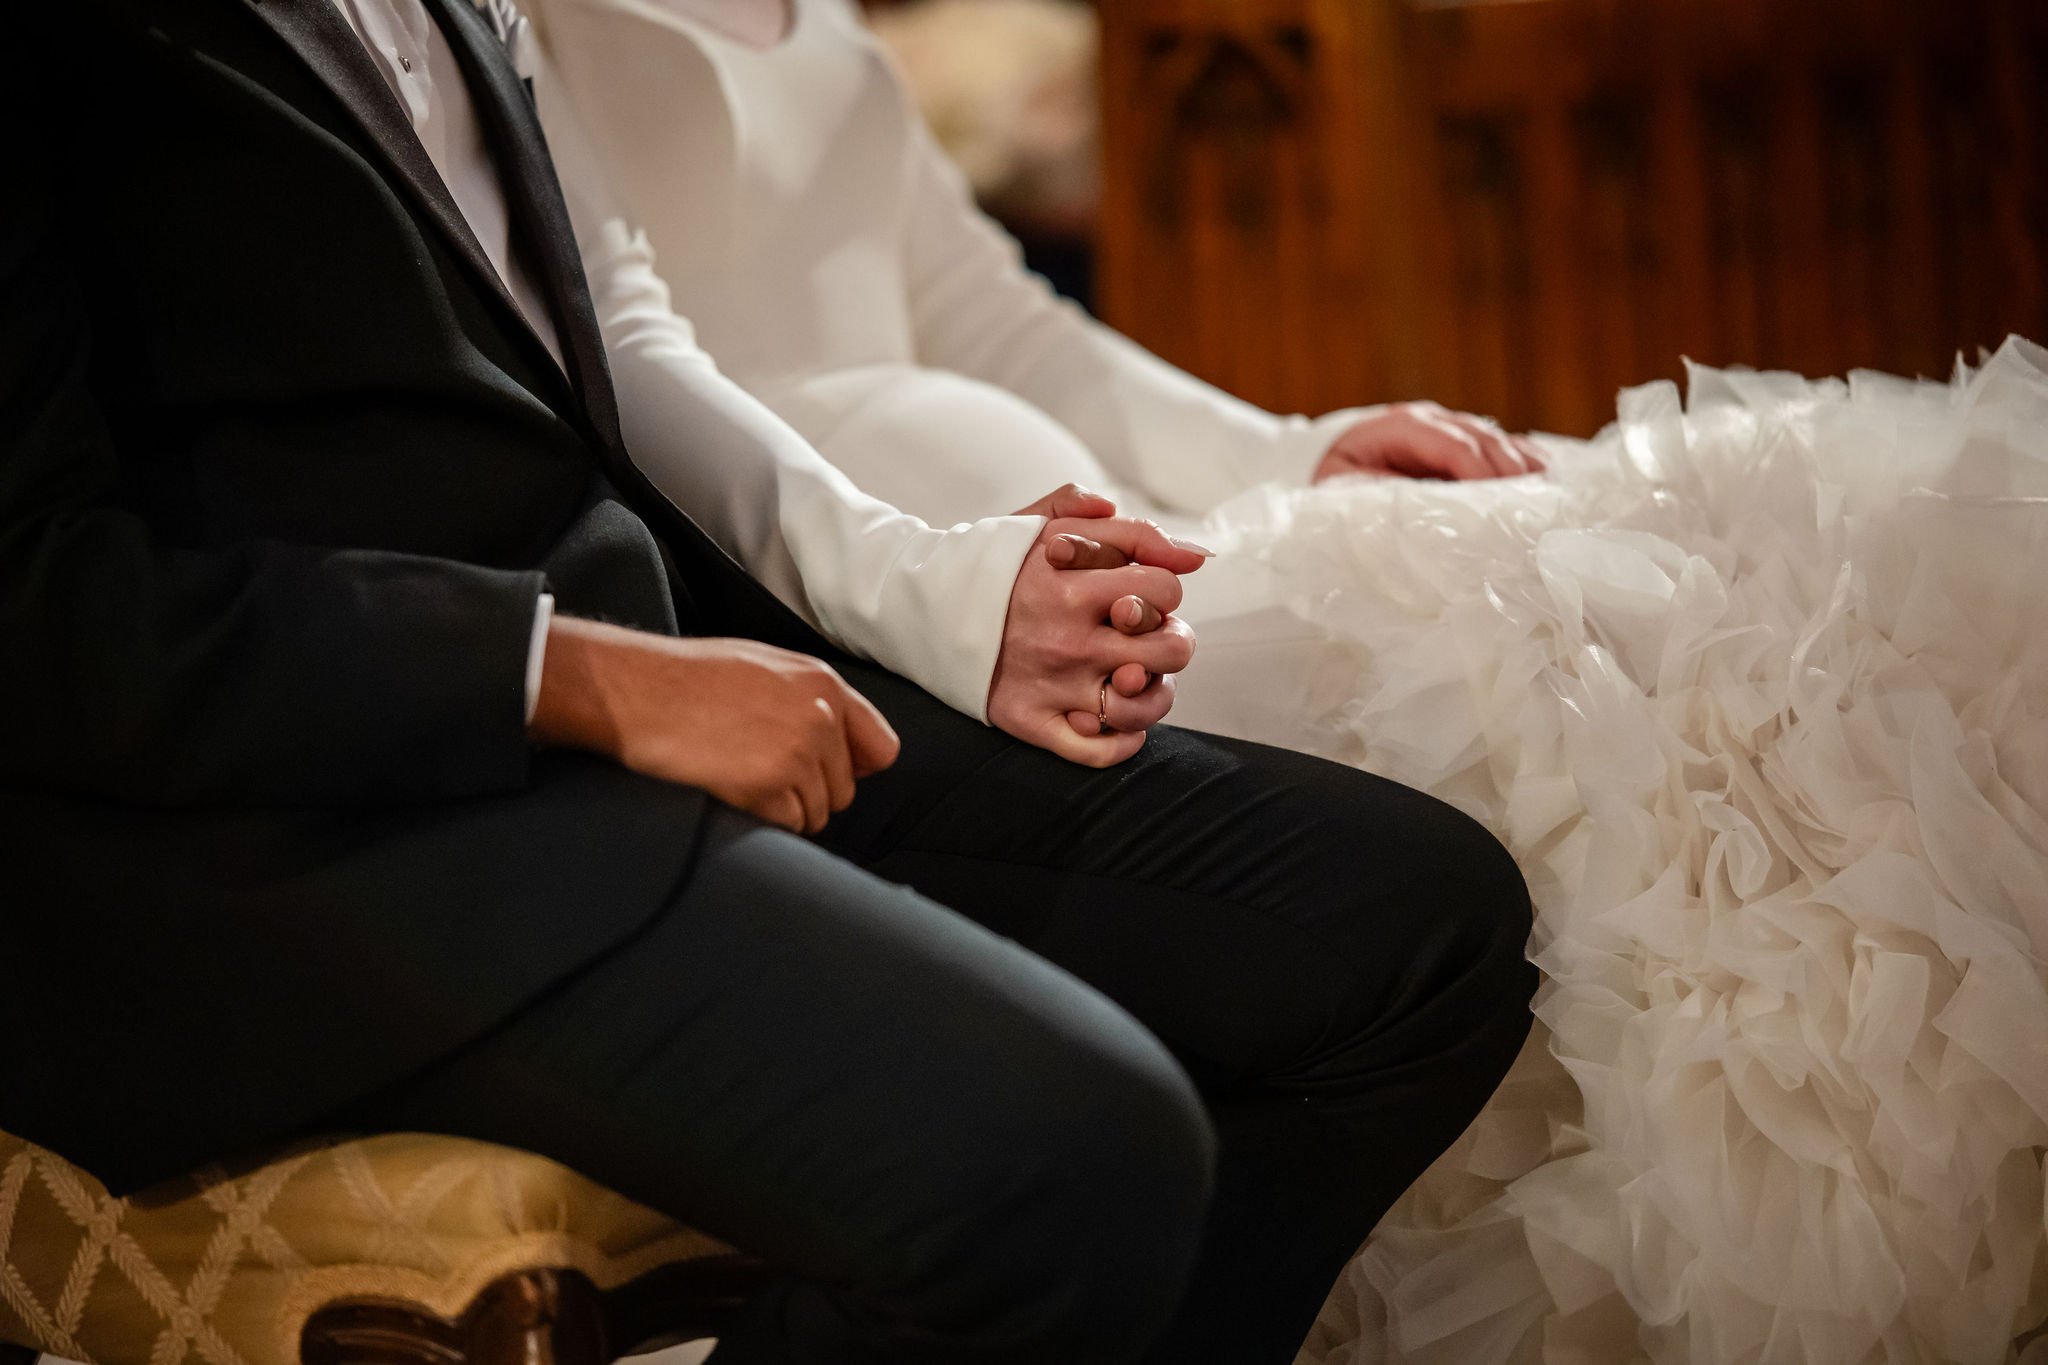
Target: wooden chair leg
538,1317
687,1301
531,1317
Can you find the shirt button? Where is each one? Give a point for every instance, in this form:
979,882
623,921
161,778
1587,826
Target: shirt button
406,62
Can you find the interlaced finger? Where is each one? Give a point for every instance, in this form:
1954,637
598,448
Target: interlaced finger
1165,650
1144,542
1131,679
1143,711
1158,586
1070,550
1133,615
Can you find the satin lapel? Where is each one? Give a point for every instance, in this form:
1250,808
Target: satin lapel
540,218
512,128
321,37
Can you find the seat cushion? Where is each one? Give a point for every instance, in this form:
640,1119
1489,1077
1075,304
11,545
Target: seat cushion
227,1267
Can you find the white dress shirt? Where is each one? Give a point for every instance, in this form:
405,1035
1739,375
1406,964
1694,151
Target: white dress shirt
413,54
927,603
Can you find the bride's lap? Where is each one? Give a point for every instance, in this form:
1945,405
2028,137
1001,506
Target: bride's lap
1750,720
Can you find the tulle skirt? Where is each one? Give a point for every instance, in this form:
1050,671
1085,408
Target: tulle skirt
1756,690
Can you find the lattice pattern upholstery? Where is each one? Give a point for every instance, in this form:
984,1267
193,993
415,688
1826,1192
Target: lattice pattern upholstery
226,1268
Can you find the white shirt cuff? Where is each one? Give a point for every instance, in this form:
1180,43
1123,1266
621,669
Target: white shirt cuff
537,650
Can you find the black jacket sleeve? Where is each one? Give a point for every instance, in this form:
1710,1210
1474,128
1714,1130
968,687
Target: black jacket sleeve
263,672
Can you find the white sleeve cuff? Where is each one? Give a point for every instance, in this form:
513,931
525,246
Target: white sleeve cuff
937,614
977,582
537,650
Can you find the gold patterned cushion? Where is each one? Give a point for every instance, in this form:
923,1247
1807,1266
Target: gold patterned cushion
227,1268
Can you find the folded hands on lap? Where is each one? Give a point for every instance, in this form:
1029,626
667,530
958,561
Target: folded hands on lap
1091,644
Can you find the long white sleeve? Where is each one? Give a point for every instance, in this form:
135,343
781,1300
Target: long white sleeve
975,309
927,603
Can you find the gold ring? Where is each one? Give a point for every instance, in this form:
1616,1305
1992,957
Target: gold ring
1102,708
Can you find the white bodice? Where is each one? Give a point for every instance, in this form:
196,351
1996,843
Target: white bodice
752,171
797,265
776,185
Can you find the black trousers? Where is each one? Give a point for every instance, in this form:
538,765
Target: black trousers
1024,1062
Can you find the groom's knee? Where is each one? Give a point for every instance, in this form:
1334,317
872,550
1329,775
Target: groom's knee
1467,981
1428,918
1482,932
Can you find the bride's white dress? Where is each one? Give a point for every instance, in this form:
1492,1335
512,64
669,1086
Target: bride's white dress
1756,689
1757,693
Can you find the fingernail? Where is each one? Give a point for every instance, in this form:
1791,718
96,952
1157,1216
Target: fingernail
1062,549
1130,612
1190,546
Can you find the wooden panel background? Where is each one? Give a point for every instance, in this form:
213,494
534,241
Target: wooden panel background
1518,206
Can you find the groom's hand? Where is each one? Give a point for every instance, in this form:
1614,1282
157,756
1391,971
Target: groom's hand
1064,637
778,734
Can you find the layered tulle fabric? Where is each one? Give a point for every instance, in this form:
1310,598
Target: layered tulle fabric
1756,689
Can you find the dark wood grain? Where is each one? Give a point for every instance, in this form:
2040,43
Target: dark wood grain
1523,207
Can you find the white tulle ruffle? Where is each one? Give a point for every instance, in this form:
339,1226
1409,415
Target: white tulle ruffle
1756,689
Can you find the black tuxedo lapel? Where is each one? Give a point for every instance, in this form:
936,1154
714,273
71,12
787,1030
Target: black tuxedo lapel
321,37
541,227
542,232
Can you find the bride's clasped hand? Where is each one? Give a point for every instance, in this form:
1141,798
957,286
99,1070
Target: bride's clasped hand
1092,607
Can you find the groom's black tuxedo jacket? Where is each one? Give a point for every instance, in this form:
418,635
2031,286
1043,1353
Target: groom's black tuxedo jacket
282,473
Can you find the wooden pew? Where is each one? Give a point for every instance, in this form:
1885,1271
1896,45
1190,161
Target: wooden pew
1519,206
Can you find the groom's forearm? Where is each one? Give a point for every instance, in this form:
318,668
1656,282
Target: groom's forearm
581,668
